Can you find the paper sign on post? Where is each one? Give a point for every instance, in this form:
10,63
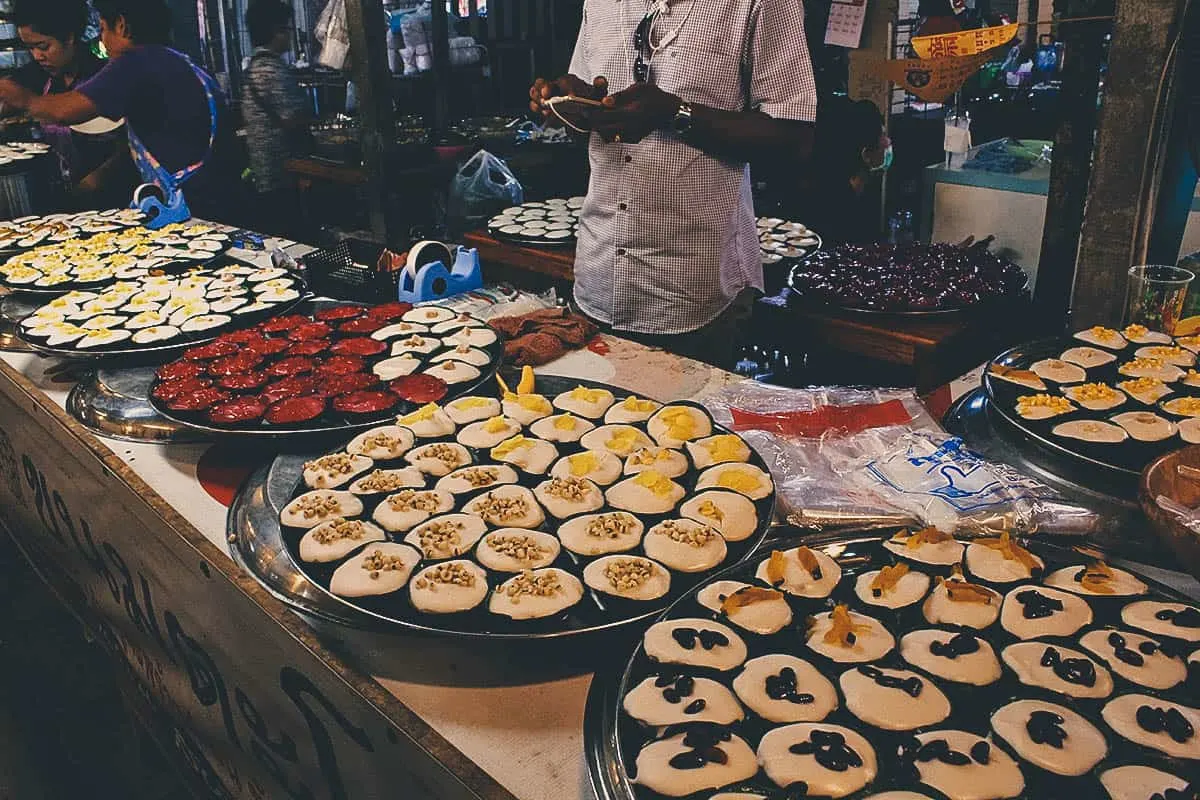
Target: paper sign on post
846,23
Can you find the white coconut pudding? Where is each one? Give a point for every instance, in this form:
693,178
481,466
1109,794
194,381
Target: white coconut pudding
832,761
1095,396
516,550
628,577
386,481
453,372
534,594
466,410
1183,406
530,455
461,321
1136,658
438,459
671,463
1140,334
1167,354
720,449
1189,430
333,471
598,466
472,479
428,422
381,568
964,766
955,601
526,408
408,508
646,493
585,402
696,643
848,638
1058,669
1002,560
1087,357
428,315
472,336
1096,579
1103,337
566,497
1175,620
383,443
312,508
1145,426
753,608
507,506
1043,406
801,571
601,534
734,515
1030,612
783,688
631,409
1137,782
1058,371
336,538
1151,368
620,440
893,699
488,433
745,479
891,587
961,657
685,545
659,701
1155,723
689,762
447,536
561,428
464,354
1145,390
928,546
448,587
1050,736
671,426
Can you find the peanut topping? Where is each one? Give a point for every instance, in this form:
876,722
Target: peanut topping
747,596
628,574
887,579
569,488
527,584
844,632
380,441
339,529
519,547
610,526
446,574
335,464
492,507
412,500
440,451
318,505
698,536
441,538
1096,577
479,477
380,481
377,562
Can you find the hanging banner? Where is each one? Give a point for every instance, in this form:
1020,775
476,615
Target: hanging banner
963,43
933,80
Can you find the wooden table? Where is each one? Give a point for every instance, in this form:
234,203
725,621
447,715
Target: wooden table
556,263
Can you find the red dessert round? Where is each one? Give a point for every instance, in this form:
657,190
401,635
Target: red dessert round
294,410
268,347
309,330
179,370
334,385
363,325
232,365
288,387
198,400
419,388
338,313
313,347
390,311
359,346
238,410
341,365
248,336
292,365
207,352
281,324
169,390
365,402
243,381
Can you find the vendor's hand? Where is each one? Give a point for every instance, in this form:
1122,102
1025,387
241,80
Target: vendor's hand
543,90
635,113
13,95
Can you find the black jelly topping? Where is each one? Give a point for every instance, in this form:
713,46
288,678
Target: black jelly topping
1187,618
960,644
1080,671
783,687
1045,727
1130,657
1169,721
695,707
981,752
830,750
1189,792
1147,648
939,750
676,688
877,593
816,574
1037,605
910,686
687,638
702,741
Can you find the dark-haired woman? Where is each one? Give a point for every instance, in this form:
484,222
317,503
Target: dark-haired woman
95,168
175,114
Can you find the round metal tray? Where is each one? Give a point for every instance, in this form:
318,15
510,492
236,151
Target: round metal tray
95,286
113,402
612,739
343,424
269,490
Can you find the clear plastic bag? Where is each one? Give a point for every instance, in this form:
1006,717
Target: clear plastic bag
481,187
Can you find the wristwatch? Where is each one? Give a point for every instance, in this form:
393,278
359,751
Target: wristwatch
682,123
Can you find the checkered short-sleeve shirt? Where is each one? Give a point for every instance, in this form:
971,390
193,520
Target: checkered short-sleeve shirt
667,236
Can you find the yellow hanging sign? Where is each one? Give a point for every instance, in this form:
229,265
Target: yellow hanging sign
963,43
935,79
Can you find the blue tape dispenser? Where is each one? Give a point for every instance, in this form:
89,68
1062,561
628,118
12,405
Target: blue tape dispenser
426,276
159,209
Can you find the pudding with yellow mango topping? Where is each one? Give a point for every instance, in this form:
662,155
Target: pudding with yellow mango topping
466,410
1043,406
630,577
671,426
620,440
671,463
1096,579
1095,396
1102,337
598,466
928,546
531,455
752,608
1002,560
585,402
647,492
721,449
561,428
734,515
801,571
1145,390
1170,355
892,587
1151,368
1189,343
631,409
1183,406
956,601
1140,334
428,422
526,408
1092,431
745,479
489,432
847,637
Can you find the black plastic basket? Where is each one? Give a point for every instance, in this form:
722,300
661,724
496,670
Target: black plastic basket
346,271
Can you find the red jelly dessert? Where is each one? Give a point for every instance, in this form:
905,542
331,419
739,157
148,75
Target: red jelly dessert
198,400
363,325
333,385
341,365
288,387
338,313
169,390
179,370
241,409
231,365
390,311
268,347
313,347
281,324
295,409
207,352
360,346
419,388
243,381
365,402
293,365
309,330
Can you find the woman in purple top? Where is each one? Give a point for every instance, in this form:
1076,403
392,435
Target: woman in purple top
175,114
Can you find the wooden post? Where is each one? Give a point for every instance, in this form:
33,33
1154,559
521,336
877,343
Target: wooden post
365,20
864,80
1071,169
1121,198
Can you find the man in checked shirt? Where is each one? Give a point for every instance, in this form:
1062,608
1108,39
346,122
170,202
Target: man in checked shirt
693,90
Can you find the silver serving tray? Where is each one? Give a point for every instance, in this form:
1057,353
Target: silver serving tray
609,734
254,529
95,286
